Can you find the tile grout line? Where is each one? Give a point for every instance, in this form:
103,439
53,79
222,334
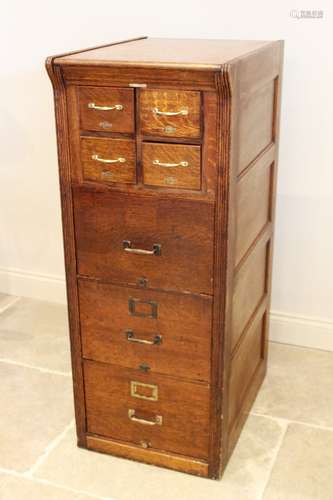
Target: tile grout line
276,451
10,304
68,488
33,367
33,479
50,447
29,474
288,421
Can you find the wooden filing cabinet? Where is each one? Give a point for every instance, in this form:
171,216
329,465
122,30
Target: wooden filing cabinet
168,156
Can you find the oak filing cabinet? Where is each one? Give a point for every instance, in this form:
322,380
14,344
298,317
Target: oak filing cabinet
168,155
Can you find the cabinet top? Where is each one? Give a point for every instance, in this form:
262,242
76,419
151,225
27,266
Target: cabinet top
165,52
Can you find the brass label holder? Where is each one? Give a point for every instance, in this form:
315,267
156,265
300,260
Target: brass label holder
135,387
134,304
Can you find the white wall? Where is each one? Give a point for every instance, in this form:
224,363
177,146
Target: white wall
31,256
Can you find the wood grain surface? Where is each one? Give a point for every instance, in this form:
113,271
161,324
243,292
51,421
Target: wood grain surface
183,229
170,101
182,405
182,325
160,458
111,120
108,149
167,52
186,177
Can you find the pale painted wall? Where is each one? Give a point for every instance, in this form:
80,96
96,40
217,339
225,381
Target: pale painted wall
31,256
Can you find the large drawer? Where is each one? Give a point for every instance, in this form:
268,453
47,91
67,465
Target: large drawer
156,331
126,238
153,411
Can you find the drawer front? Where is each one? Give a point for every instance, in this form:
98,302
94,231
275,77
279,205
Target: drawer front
108,160
153,411
171,165
170,113
158,331
106,109
124,237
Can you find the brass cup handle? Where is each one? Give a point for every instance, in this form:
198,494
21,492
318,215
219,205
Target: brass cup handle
118,107
157,419
158,163
106,160
127,246
182,112
157,340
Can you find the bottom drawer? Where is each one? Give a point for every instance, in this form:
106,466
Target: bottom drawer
148,410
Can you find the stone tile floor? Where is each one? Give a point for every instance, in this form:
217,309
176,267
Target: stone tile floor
285,451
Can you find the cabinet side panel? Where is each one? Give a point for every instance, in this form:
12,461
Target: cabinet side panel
69,245
257,94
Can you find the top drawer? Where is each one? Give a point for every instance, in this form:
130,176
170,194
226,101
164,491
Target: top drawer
106,109
170,113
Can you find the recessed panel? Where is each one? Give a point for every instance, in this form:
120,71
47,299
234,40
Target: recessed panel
244,364
253,205
256,123
250,288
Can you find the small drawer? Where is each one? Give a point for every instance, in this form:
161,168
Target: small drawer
152,411
108,160
170,113
145,329
106,109
171,165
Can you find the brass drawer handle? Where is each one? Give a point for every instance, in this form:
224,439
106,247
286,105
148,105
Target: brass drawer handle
182,112
118,107
155,251
157,340
105,160
158,163
157,420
